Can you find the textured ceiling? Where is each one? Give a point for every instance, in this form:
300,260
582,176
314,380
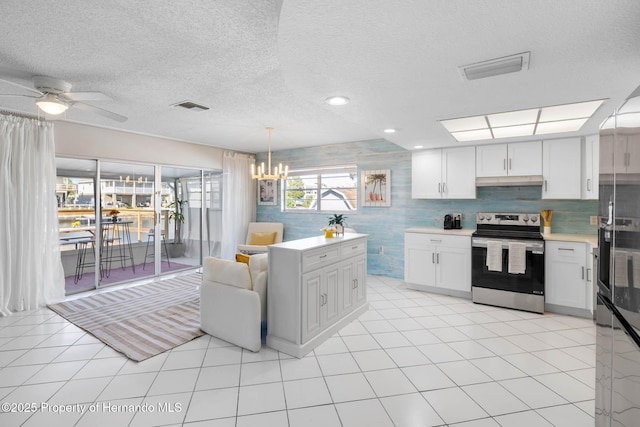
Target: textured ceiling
272,63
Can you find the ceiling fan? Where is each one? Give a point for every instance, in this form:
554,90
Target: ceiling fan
53,96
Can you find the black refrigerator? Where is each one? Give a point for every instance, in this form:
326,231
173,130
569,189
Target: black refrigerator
618,294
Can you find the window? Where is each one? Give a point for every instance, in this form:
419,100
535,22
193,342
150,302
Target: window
327,189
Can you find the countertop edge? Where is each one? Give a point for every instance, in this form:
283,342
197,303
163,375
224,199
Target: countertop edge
436,230
561,237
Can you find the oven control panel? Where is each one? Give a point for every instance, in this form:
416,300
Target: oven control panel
493,218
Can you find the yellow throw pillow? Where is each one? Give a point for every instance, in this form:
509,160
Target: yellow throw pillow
262,239
242,258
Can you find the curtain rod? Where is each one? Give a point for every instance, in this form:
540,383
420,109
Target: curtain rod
21,115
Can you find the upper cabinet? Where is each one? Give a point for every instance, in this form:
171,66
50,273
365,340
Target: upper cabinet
517,159
561,159
447,173
590,164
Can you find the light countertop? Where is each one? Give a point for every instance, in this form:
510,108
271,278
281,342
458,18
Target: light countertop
437,230
592,239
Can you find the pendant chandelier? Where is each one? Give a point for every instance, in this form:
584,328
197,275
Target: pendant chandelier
278,173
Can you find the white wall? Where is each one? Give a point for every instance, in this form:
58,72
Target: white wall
76,140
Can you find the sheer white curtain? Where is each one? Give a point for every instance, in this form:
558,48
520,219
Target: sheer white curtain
31,273
238,201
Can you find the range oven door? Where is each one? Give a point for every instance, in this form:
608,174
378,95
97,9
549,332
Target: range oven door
531,282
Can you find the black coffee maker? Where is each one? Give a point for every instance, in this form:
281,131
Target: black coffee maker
452,222
448,222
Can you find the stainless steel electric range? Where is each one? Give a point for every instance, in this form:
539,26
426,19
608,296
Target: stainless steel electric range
508,261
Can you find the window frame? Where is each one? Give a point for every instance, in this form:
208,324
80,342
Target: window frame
319,172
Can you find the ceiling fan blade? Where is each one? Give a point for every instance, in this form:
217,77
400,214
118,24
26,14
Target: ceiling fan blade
21,86
86,96
106,113
9,95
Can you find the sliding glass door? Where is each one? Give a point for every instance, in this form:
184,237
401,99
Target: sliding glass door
121,222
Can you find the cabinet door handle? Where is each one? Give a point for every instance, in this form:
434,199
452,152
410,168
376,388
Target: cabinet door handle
435,240
323,256
437,258
588,275
439,188
582,273
588,184
504,164
509,164
545,185
354,247
565,249
433,258
355,283
444,187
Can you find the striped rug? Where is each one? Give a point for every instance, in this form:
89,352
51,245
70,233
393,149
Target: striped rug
140,321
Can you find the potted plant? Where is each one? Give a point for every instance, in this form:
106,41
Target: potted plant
113,213
337,221
177,215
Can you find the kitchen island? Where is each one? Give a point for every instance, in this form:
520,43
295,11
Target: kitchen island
316,286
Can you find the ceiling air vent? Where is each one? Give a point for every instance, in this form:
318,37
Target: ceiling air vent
495,67
190,105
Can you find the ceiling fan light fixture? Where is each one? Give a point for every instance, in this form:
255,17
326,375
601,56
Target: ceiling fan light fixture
51,104
337,100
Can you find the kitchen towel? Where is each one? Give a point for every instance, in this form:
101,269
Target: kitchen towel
517,257
621,272
494,256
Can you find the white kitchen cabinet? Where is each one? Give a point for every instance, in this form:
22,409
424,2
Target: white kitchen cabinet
447,173
315,287
625,148
590,167
516,159
320,299
352,289
568,278
561,169
438,262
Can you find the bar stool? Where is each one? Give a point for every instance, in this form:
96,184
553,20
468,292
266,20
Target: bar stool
151,237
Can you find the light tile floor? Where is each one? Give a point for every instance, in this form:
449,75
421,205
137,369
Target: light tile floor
413,359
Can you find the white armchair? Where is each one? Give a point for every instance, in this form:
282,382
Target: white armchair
260,235
233,300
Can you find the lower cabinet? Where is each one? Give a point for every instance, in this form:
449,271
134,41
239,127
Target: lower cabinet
316,286
569,278
438,262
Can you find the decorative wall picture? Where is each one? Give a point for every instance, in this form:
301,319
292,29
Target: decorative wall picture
376,188
267,192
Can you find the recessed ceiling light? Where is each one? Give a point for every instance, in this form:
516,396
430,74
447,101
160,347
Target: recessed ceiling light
337,100
418,146
543,120
389,130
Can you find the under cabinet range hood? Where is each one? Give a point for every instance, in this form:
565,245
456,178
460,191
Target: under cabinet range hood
509,181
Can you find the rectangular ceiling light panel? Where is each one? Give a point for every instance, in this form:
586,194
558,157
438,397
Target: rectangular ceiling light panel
513,118
579,110
560,126
465,123
538,121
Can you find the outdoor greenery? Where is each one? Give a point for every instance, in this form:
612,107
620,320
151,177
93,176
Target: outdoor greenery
177,215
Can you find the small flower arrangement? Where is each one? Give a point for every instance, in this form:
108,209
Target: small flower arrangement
75,224
114,213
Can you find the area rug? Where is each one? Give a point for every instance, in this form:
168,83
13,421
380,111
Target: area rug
140,321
